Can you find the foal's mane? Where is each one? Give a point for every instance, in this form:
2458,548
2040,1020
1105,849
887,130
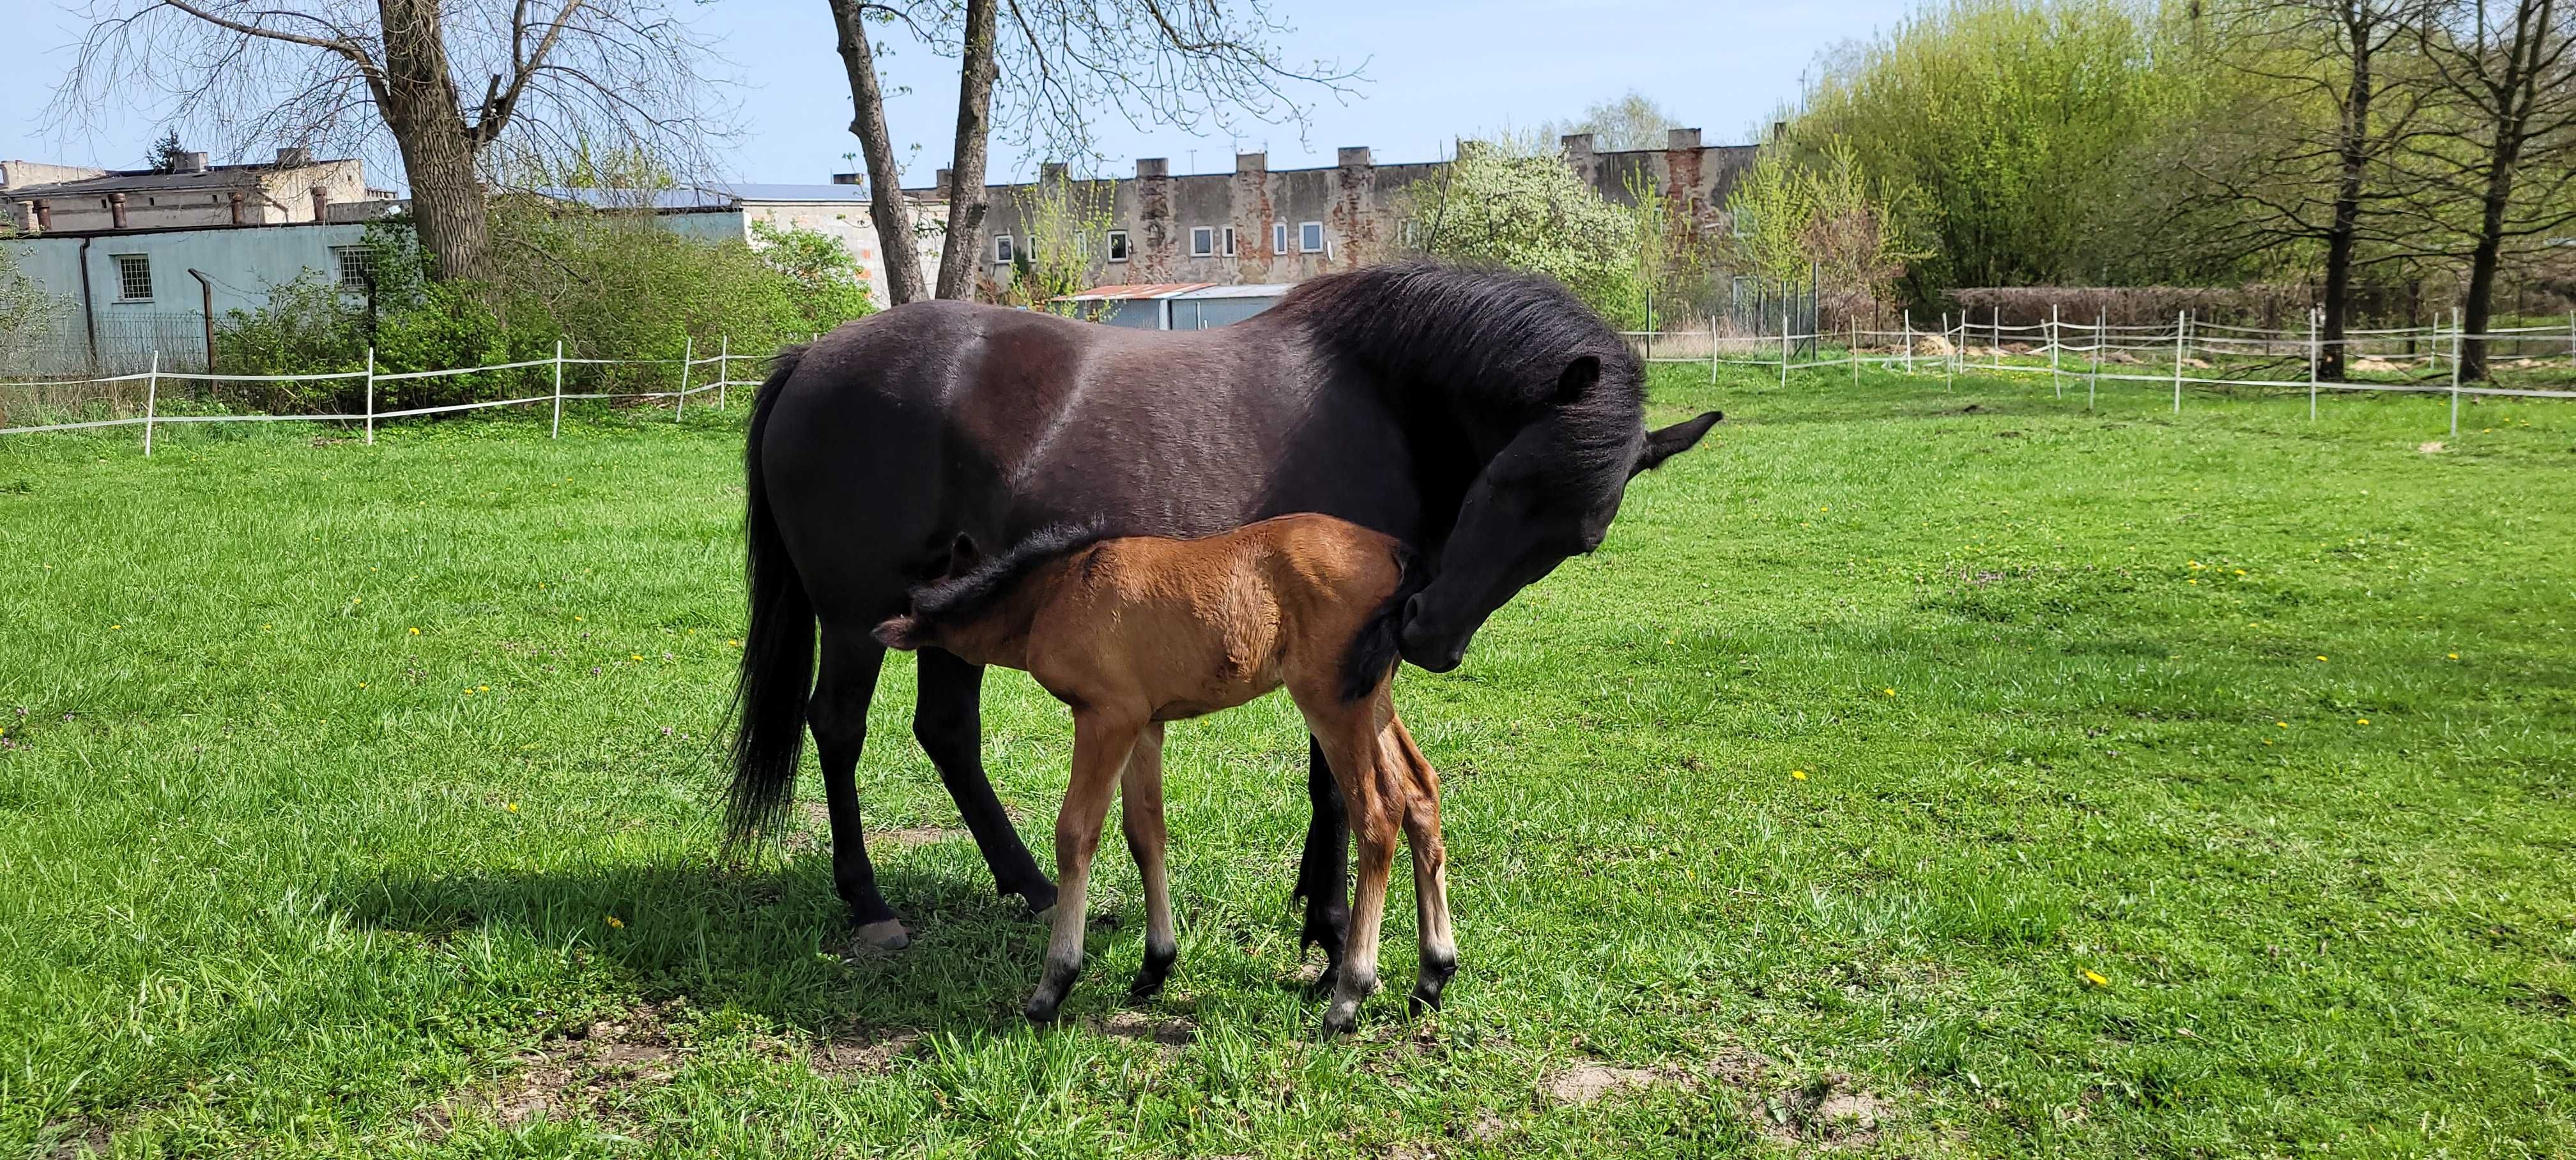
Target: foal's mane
1493,339
958,599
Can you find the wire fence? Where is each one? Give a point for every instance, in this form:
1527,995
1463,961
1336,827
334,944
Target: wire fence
114,394
2189,354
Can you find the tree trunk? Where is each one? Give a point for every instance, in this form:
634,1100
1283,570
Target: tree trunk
964,248
2340,236
885,177
2479,304
420,107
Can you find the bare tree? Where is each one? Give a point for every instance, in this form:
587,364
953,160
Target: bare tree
621,75
885,175
1631,120
2505,74
2297,173
1042,71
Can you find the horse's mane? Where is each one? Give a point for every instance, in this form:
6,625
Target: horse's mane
957,599
1493,338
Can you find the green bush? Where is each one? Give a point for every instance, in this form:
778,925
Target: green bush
608,285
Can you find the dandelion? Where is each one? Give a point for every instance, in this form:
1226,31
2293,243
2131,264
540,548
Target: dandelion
2321,658
115,628
1888,692
415,632
2361,720
482,688
2282,724
513,807
581,618
2096,979
2455,656
635,656
616,923
1798,775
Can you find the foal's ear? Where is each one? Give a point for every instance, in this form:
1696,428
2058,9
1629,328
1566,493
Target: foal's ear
901,632
1579,376
1664,443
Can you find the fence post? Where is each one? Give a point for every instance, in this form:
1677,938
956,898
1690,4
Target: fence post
1909,341
151,400
1855,350
2313,318
1784,336
558,428
371,396
1712,349
724,367
688,351
2456,327
2093,386
2053,379
1998,348
2182,326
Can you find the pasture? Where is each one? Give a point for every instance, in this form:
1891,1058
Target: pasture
1912,772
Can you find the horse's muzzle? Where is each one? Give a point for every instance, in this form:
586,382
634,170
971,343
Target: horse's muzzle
1427,649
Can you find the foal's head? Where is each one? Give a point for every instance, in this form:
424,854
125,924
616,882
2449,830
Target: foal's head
956,609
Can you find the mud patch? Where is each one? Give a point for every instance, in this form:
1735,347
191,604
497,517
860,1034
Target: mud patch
2430,447
814,832
860,1052
1830,1111
583,1070
73,1139
1170,1034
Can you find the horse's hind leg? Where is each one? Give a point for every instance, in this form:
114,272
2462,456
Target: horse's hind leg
947,718
1100,748
1439,947
838,714
1323,872
1141,816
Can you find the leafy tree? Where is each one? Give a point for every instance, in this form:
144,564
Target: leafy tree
1066,223
1525,209
167,153
1792,221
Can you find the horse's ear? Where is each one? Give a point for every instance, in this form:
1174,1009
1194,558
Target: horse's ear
1664,443
901,632
1579,376
964,556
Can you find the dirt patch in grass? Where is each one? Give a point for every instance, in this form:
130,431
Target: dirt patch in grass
1830,1111
581,1070
860,1051
814,832
1172,1034
75,1138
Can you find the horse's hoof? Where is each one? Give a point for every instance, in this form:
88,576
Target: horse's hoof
1339,1022
1422,1002
884,936
1042,1010
1328,982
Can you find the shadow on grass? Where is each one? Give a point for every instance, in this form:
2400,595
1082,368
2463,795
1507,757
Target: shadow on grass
769,940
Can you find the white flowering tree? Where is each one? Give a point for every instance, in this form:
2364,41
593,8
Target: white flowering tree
1517,206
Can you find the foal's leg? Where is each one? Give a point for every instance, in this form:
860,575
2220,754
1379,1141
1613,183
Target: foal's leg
838,713
1375,804
1100,749
1439,948
1323,873
947,720
1141,816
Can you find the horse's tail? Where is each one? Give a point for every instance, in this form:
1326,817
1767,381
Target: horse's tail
1373,652
777,648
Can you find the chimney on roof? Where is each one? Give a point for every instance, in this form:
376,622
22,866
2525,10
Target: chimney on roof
1153,167
1050,172
942,179
845,179
1252,163
1353,157
116,208
1779,129
1676,140
44,214
192,163
1577,145
321,202
294,157
237,207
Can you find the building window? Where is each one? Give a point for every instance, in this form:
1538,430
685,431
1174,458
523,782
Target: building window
1310,237
1002,249
1202,242
134,277
357,266
1278,239
1117,245
1229,241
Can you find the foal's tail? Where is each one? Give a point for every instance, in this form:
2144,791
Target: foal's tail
1373,651
777,648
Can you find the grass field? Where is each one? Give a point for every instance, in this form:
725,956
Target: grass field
1913,772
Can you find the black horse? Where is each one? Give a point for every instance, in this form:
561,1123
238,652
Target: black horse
1487,418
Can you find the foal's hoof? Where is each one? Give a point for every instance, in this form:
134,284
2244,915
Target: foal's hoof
884,936
1340,1020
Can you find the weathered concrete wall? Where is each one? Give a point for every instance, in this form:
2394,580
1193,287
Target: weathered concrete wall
1363,209
269,195
241,264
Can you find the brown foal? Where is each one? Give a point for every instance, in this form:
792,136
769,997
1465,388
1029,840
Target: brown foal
1133,632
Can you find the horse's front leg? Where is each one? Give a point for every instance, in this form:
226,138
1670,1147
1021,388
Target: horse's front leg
1323,872
947,718
1101,745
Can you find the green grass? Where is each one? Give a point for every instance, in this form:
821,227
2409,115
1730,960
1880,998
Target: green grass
2072,692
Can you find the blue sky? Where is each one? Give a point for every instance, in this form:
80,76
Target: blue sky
1433,71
